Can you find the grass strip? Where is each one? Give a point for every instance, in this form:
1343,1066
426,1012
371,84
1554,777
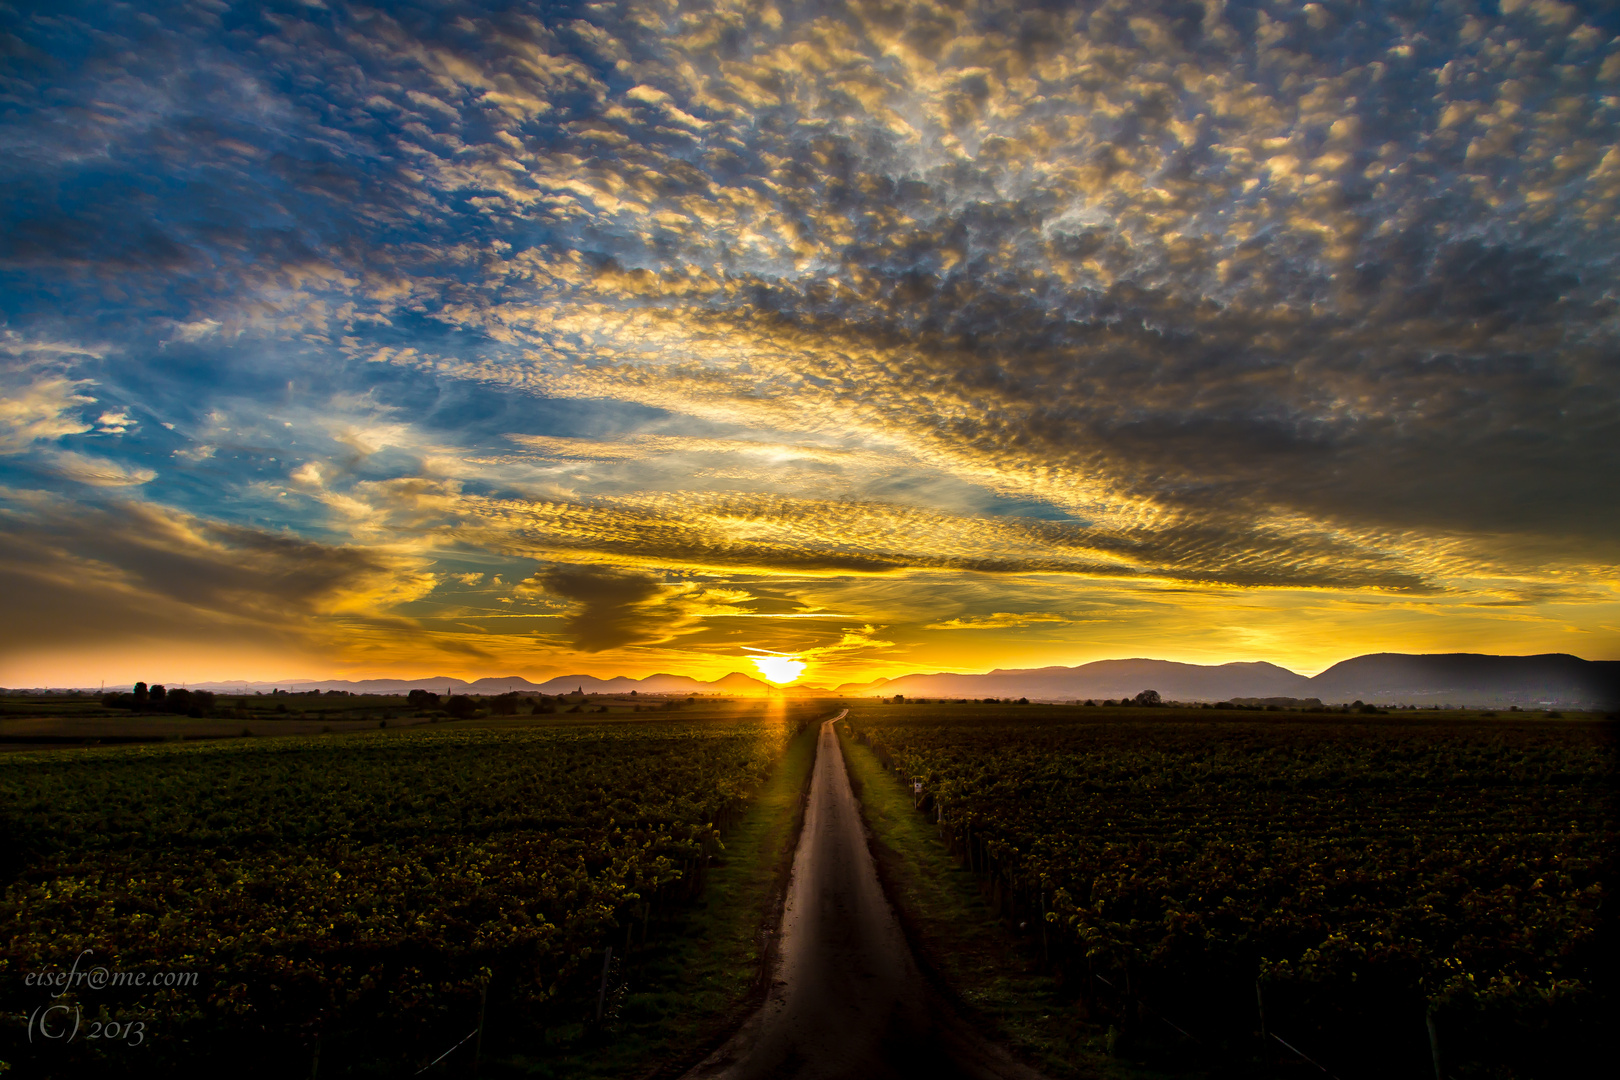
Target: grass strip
698,978
990,972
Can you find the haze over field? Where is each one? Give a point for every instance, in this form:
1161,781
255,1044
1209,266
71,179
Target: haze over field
499,339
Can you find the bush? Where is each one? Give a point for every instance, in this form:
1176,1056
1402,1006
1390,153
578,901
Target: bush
186,702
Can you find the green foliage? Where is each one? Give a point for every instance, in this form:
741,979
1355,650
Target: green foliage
1362,872
355,892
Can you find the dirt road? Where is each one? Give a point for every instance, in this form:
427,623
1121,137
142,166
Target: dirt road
848,1002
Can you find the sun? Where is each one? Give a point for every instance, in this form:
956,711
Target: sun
779,669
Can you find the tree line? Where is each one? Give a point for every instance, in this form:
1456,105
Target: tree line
157,698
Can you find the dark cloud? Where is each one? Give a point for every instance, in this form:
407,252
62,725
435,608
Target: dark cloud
87,575
613,605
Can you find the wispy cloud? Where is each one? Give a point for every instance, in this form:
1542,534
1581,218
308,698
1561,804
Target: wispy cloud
1001,620
40,399
98,471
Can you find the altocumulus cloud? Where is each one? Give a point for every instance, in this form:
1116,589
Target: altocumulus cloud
1227,293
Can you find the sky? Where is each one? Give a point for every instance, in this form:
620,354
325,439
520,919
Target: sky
615,338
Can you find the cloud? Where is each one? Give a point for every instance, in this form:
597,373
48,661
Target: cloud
308,475
1000,620
615,607
79,574
1227,296
641,446
196,331
771,534
39,400
114,422
98,471
859,642
760,532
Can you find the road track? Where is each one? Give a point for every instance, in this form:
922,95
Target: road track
847,1001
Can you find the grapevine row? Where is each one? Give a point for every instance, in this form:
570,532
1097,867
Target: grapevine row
1350,880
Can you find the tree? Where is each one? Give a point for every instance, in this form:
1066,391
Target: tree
157,693
461,706
188,702
1149,697
421,699
141,696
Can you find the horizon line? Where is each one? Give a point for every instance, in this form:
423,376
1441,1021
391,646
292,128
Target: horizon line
429,680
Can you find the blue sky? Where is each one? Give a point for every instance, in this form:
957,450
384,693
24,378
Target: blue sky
516,338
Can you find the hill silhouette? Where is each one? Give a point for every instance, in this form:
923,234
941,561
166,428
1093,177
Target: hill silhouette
1466,679
1476,680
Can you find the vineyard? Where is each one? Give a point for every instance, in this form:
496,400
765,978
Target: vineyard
357,902
1367,894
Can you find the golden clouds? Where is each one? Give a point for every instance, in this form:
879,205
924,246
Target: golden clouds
614,607
1000,620
81,576
40,400
766,534
48,407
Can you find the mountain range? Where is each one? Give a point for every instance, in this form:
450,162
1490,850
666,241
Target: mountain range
1464,679
735,683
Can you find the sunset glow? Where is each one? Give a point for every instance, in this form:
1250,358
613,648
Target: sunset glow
779,669
480,341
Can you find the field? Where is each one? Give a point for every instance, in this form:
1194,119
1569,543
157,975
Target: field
358,903
34,720
1362,880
